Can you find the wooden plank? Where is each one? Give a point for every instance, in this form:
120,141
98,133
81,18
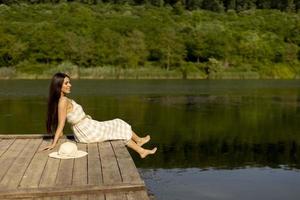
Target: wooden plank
94,165
65,171
14,175
26,199
127,167
96,197
96,176
76,197
110,169
48,177
10,155
34,171
49,174
80,168
115,196
5,144
79,197
32,136
64,197
51,198
67,190
137,195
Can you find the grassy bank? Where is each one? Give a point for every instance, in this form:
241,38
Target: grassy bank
93,73
109,72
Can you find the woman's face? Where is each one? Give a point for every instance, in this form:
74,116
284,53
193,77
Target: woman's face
66,86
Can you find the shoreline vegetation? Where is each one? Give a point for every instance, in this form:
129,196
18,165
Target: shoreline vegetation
130,41
119,73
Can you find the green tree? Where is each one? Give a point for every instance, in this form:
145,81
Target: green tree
12,50
213,5
214,68
193,4
80,50
245,5
211,41
230,4
290,6
159,3
171,48
297,5
132,50
196,45
46,44
108,42
263,4
290,53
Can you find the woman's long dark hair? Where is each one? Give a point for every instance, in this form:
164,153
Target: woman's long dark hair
53,98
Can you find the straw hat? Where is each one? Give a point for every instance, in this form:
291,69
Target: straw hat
68,150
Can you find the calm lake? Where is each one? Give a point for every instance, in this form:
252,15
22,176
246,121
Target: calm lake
216,140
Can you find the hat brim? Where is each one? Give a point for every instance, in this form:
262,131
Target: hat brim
79,154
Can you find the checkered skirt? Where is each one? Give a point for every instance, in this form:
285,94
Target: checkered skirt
87,130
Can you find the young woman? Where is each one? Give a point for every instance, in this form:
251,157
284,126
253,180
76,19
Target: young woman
86,130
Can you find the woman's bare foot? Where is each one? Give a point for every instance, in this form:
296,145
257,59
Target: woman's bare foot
143,140
146,152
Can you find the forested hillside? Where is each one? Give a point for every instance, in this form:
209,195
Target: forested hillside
104,40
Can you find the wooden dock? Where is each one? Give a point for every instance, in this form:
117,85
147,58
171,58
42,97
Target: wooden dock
106,173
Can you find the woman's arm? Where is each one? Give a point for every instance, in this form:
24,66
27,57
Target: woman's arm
62,115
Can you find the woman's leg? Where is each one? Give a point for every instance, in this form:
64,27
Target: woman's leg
140,140
143,152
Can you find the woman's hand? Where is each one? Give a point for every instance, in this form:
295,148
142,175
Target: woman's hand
49,147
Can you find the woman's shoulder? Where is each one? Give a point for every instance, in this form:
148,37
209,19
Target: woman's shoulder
64,101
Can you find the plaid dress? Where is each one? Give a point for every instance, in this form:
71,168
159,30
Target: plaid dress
87,130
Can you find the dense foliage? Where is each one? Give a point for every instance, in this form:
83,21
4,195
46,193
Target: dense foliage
263,43
212,5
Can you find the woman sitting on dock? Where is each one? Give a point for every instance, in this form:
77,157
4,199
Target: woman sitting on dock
86,130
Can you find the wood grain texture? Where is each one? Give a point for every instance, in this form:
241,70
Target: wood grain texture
32,136
65,172
110,168
140,195
33,173
14,175
106,173
67,190
115,196
80,168
127,167
94,165
5,144
10,155
79,197
96,197
49,174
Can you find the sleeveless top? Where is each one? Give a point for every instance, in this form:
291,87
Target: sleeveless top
76,115
88,130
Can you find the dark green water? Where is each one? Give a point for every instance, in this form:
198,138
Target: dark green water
216,139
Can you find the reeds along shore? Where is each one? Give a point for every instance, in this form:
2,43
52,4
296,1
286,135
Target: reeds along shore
140,73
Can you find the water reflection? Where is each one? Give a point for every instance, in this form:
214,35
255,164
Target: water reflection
220,154
198,124
216,139
247,184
